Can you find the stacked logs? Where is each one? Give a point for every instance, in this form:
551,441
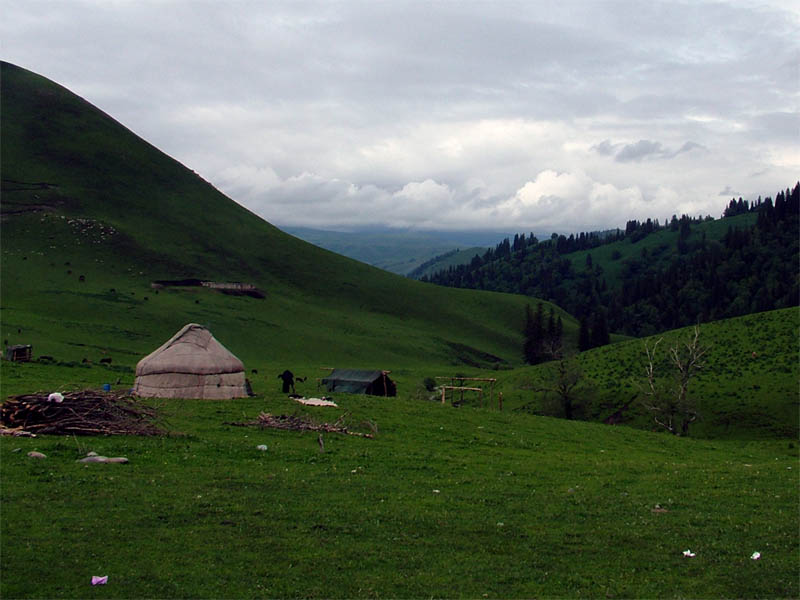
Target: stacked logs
86,412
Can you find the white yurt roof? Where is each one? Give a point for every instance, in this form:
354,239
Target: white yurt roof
192,350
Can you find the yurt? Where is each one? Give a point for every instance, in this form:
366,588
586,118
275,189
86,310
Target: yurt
191,364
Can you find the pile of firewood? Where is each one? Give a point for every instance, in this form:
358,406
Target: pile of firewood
293,423
87,412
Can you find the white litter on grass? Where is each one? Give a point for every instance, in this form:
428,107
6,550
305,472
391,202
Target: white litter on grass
316,401
99,580
435,491
55,397
103,459
262,447
689,553
755,555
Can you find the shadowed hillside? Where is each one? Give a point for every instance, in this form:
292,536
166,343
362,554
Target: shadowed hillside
92,215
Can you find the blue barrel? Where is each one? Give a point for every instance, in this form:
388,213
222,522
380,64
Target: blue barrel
106,387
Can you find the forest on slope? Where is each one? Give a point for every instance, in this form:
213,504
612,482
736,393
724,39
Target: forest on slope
654,277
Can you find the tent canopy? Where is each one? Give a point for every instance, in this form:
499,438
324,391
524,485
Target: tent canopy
360,381
191,364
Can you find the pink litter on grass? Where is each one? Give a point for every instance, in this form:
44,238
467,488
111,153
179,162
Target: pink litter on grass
97,580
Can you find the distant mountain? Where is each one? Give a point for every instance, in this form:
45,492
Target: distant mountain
400,251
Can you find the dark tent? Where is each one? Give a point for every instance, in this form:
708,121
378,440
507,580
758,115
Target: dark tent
356,381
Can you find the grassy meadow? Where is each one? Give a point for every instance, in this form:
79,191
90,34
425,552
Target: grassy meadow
748,387
445,501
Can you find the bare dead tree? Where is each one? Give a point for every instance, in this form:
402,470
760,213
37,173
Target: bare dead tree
671,405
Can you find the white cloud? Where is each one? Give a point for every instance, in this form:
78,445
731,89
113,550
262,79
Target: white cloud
571,201
562,115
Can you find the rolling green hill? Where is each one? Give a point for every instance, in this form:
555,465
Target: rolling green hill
747,387
92,215
459,256
655,278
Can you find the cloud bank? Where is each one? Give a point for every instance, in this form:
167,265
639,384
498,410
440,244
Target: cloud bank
516,116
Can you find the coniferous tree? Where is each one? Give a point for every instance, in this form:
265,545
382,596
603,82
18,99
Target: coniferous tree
529,346
599,334
538,333
551,324
584,341
534,335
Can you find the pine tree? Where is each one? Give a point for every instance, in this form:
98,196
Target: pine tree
584,342
599,334
529,350
535,346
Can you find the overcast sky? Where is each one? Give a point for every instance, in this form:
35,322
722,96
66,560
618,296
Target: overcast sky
517,116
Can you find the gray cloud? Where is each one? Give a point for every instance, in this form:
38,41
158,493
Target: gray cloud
640,150
458,115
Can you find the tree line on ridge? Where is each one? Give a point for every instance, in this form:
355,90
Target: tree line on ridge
688,278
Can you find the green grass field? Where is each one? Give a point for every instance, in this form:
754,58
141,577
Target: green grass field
444,502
